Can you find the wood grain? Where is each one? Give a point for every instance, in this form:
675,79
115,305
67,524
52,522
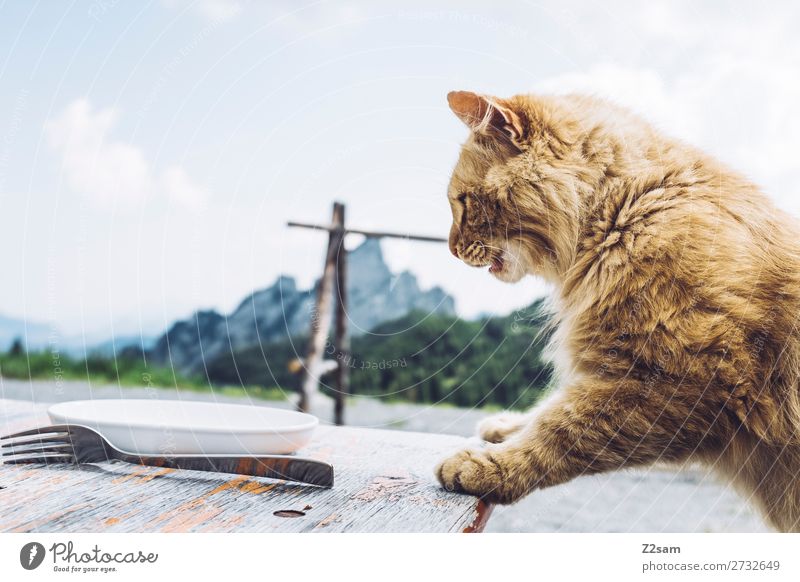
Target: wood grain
320,318
384,483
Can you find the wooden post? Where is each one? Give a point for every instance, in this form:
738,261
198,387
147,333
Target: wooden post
321,318
342,339
335,267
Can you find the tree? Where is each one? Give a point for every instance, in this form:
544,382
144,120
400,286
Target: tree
17,347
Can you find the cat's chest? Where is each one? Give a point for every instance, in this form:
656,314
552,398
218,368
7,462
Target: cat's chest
586,338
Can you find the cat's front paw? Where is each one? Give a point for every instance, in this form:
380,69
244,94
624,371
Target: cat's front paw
474,472
497,428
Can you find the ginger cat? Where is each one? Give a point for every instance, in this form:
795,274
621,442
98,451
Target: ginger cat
677,293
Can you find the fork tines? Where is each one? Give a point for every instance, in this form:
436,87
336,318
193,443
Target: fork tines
52,446
56,428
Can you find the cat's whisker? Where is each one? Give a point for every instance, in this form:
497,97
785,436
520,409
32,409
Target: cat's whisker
492,247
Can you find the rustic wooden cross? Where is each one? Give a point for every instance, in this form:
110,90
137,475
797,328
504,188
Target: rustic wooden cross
335,269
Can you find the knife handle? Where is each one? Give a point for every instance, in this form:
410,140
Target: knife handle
283,467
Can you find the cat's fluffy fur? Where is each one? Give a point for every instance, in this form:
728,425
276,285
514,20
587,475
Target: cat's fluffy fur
677,294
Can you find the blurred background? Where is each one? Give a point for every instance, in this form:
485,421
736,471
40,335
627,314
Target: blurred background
152,153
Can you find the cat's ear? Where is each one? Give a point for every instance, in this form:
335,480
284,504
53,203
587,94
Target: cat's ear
487,115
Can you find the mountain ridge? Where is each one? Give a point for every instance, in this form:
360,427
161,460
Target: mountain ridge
282,310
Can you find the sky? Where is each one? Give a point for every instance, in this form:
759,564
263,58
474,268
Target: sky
152,152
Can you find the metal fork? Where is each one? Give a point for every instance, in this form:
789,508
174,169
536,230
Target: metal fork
76,444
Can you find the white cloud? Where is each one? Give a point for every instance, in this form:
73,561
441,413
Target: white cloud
108,171
722,78
291,16
177,185
642,90
741,110
210,10
218,10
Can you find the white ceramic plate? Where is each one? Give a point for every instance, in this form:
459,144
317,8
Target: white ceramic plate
160,427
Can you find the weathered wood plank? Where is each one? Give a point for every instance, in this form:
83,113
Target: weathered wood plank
342,338
320,319
384,482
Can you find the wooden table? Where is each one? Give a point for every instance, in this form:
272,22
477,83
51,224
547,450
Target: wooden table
384,483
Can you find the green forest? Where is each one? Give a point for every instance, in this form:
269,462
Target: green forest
419,358
491,361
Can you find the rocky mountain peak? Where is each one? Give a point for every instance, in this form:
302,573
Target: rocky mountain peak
282,310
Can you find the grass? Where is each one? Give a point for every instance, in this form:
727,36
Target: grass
98,370
54,366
